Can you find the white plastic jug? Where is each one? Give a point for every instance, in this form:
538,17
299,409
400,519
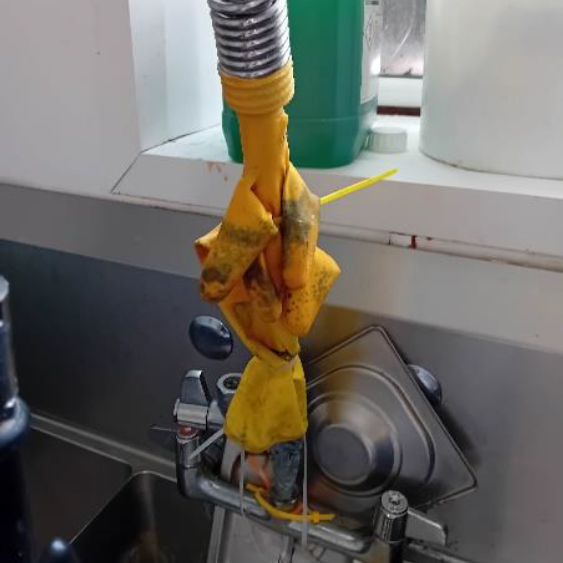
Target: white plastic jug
493,85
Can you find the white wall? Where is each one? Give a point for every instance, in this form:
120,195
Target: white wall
66,117
85,85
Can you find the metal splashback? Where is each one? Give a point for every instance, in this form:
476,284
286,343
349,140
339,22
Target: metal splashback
95,339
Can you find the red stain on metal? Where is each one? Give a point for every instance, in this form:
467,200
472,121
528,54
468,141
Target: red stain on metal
214,166
413,242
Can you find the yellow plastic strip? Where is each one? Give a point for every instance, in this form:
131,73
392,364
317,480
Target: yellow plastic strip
312,517
357,187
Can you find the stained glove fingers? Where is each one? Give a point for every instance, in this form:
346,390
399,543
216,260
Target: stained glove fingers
274,336
269,407
302,305
300,228
262,291
204,243
244,233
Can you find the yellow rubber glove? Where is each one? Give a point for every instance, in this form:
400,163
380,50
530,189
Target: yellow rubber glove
246,229
262,266
270,405
300,225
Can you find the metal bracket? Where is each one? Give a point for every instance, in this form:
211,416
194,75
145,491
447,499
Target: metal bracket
367,407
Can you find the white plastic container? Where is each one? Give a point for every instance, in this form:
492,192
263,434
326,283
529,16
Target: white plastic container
493,85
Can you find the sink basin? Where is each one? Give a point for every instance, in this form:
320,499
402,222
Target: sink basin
67,484
239,540
147,522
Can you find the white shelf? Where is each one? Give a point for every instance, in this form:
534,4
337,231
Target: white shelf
446,209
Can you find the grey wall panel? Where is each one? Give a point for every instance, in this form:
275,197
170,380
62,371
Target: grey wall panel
503,405
103,344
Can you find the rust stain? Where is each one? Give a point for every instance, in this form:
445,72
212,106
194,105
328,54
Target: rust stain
211,166
413,242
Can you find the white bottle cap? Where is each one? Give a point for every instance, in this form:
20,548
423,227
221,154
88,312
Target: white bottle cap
387,139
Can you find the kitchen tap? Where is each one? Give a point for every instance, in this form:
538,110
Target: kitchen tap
15,522
373,512
14,423
196,480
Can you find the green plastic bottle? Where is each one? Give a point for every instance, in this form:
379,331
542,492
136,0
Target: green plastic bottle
335,46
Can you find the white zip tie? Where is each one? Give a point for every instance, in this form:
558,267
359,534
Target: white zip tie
213,438
287,365
305,524
241,481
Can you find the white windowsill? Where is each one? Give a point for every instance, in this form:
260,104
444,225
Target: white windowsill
427,204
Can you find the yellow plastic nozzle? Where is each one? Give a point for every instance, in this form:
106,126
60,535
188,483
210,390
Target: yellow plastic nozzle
313,517
342,192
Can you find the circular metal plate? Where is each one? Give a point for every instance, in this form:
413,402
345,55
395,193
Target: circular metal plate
353,443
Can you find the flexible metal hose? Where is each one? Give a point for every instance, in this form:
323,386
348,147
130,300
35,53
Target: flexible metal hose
252,36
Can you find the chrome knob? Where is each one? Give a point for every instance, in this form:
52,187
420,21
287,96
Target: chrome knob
391,518
226,389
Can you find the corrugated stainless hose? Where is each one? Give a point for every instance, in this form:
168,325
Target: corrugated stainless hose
252,36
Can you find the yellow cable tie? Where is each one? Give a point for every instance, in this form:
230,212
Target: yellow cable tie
342,192
313,517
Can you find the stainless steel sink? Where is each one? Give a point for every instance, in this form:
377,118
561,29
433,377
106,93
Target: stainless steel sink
100,493
147,522
237,539
67,484
117,513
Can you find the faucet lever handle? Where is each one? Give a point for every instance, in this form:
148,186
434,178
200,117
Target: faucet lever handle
194,390
396,520
163,436
391,517
423,528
